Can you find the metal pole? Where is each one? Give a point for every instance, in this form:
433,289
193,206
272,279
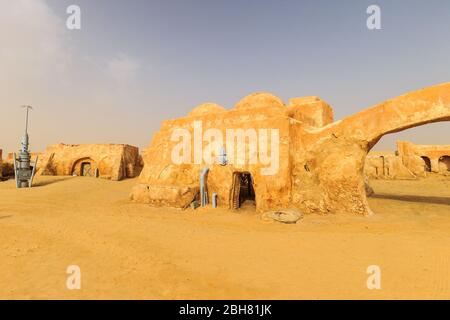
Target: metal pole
26,122
33,172
203,187
16,176
24,171
26,119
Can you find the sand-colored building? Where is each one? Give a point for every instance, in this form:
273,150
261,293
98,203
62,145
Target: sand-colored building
321,161
410,161
177,185
436,158
108,161
6,166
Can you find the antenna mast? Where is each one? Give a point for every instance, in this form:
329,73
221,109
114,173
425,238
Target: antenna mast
24,171
26,121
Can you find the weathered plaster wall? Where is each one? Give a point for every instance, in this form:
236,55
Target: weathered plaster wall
321,168
160,170
113,161
433,152
408,162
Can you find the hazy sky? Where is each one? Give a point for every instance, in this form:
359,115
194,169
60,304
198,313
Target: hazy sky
137,62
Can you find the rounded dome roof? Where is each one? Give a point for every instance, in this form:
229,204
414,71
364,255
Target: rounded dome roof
259,100
206,108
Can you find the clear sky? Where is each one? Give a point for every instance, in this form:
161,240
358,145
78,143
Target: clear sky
137,62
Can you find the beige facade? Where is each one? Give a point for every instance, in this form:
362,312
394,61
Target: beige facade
410,161
321,161
108,161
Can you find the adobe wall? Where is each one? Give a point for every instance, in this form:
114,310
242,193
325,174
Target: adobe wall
311,111
159,169
321,168
435,153
408,163
391,166
110,161
337,174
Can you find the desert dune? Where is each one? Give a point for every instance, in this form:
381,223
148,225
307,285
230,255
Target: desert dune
133,251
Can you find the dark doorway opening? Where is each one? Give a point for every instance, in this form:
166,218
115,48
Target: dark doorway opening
427,163
242,190
86,169
444,163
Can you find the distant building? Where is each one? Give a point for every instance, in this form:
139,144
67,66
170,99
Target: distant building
410,161
108,161
321,161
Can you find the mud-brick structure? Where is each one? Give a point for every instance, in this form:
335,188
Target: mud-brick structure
385,165
6,166
410,161
321,162
108,161
435,158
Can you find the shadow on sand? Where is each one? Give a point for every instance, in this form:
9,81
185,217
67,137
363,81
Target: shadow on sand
48,182
409,198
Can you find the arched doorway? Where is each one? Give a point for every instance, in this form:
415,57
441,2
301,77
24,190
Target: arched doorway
414,179
444,164
242,190
357,135
427,163
85,167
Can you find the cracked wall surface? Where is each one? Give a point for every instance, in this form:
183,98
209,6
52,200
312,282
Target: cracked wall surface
321,161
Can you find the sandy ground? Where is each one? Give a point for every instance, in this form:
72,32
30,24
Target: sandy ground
128,250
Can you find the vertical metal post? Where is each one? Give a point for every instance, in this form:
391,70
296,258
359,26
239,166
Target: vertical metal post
203,187
214,200
23,170
16,175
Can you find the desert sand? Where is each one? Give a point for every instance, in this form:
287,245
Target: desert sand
132,251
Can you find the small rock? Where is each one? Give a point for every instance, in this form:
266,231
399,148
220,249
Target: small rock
283,216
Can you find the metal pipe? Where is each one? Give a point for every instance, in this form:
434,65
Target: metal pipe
214,200
26,122
203,187
33,172
16,176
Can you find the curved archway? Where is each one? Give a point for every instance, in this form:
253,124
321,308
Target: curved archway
419,108
444,164
427,163
84,167
346,143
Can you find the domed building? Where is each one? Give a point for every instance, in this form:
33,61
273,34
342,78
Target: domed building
108,161
259,100
206,108
255,117
273,155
